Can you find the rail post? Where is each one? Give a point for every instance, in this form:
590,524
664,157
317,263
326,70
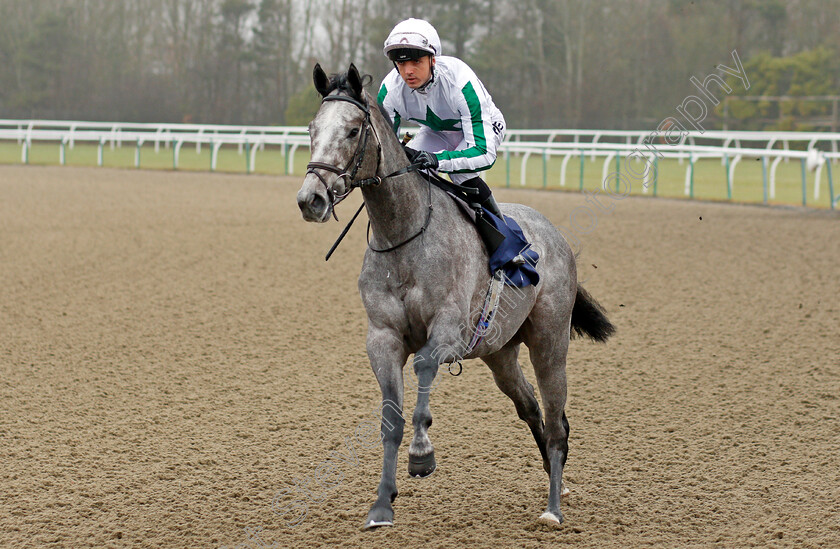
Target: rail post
545,169
582,162
247,157
764,176
691,177
804,192
728,180
617,170
655,173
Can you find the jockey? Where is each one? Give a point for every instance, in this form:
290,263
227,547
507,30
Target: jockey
461,127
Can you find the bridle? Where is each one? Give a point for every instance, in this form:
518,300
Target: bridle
356,162
350,173
358,156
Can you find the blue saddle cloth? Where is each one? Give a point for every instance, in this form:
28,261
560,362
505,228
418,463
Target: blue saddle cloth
513,245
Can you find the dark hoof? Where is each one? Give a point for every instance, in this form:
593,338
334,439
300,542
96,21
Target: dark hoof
379,515
421,466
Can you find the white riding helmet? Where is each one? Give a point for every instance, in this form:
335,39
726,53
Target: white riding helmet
412,34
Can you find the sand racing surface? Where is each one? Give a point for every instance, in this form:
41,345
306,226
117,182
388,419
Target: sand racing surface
175,353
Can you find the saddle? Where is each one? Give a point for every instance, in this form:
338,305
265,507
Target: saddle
507,247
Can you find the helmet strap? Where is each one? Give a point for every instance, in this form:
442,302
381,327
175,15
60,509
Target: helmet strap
431,78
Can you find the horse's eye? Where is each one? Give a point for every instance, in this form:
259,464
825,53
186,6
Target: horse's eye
353,133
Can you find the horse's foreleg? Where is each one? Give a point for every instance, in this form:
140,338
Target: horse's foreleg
421,453
387,358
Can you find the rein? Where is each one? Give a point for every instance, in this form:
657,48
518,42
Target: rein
404,242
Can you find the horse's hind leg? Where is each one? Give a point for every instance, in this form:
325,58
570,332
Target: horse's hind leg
548,343
508,376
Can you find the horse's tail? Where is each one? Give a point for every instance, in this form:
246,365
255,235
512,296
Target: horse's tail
589,318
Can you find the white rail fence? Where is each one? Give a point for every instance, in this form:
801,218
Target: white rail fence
815,151
247,139
811,160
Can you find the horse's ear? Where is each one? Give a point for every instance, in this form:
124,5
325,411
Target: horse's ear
355,80
322,83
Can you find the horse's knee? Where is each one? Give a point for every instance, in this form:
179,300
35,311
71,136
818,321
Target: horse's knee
392,427
424,363
393,436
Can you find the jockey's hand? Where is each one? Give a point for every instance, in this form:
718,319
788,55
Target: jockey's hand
426,160
411,154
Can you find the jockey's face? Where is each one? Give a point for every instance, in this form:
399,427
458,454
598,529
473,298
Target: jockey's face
416,73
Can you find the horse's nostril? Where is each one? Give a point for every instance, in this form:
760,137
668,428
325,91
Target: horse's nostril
312,205
317,203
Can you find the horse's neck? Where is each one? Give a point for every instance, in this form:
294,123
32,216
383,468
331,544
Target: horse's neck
398,207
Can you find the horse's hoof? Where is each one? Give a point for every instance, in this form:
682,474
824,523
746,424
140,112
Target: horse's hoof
550,519
371,524
379,516
564,490
421,466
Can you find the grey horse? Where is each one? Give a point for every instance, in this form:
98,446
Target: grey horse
425,274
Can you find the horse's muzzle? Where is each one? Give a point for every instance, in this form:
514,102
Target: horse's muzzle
313,205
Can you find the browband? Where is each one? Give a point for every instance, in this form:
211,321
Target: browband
349,99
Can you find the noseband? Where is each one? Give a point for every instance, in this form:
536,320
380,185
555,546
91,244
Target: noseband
358,156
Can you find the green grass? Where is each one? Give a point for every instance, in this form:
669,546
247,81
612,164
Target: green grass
268,161
709,174
709,178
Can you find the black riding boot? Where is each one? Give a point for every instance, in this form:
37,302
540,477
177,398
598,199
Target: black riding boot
490,205
485,196
491,237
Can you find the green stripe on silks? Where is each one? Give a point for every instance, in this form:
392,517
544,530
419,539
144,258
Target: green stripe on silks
480,147
383,92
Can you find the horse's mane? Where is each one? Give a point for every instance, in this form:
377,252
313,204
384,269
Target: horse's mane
339,82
